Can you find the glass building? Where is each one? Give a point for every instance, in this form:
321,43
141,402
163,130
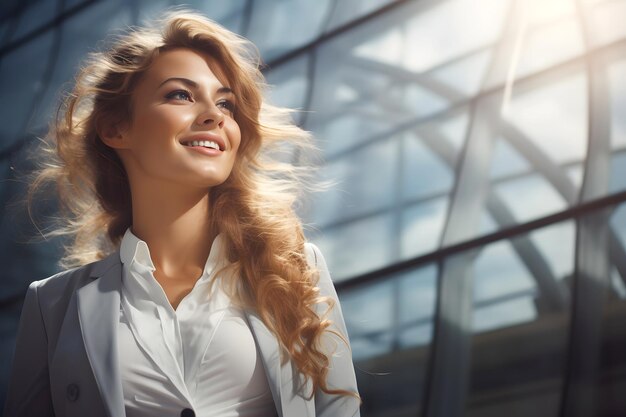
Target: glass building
476,232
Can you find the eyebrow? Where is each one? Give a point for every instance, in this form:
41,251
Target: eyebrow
193,84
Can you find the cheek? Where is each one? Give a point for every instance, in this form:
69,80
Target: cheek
162,123
234,134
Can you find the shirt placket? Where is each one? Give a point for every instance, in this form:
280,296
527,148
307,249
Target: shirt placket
173,341
202,318
172,358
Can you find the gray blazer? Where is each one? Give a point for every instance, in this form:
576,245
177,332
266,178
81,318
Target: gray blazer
66,359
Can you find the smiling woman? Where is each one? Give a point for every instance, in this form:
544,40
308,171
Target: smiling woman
180,100
190,288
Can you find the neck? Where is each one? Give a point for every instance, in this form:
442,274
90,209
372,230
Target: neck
176,226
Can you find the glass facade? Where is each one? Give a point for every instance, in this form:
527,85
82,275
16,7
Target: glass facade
476,231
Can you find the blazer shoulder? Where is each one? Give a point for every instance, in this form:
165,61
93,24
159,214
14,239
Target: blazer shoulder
325,283
310,251
67,281
315,257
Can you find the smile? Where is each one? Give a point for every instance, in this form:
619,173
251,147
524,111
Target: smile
203,143
205,150
205,140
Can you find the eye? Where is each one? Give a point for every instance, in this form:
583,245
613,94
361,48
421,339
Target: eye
227,105
179,95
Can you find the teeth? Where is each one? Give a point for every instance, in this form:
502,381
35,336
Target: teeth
204,143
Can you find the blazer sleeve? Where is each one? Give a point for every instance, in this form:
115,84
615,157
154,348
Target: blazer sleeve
28,393
341,373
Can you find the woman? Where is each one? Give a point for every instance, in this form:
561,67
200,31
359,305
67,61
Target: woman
190,289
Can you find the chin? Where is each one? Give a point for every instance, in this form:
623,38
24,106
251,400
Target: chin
214,182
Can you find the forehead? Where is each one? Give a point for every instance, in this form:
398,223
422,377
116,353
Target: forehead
186,63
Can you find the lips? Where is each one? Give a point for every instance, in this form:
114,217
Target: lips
204,136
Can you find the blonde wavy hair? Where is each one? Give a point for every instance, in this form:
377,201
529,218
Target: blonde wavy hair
263,235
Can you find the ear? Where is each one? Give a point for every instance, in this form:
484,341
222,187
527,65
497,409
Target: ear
113,135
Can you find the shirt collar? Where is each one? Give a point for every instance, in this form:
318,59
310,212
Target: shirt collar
133,249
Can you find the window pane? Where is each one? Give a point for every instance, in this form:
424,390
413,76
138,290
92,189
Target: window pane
554,117
79,35
347,10
416,306
366,183
230,14
507,161
36,15
549,44
289,84
390,327
20,88
612,357
499,272
422,226
557,243
607,20
618,224
369,317
529,197
519,345
617,85
426,172
272,20
421,41
465,74
359,246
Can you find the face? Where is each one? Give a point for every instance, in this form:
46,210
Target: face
183,132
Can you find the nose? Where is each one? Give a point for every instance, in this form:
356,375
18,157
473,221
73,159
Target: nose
211,117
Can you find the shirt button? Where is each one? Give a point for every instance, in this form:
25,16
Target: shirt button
187,412
72,392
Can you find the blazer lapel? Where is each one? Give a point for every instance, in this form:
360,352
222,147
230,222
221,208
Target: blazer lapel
98,311
281,378
268,347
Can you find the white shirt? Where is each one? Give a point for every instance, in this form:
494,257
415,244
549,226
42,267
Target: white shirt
201,356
